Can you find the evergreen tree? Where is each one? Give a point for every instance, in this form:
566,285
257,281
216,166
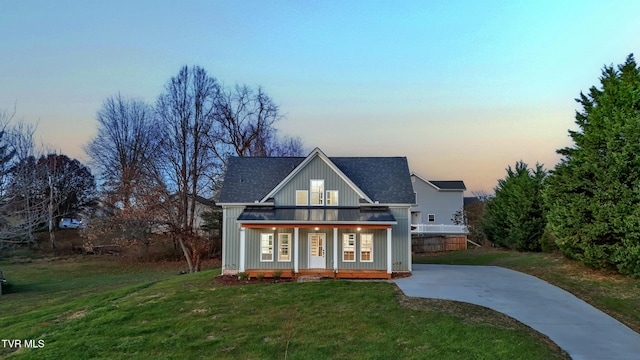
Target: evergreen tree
515,217
594,193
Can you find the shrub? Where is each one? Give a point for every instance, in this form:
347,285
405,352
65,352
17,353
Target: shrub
243,276
548,242
5,287
260,276
515,217
277,274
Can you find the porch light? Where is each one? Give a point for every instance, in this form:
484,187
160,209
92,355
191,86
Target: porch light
273,228
359,229
316,229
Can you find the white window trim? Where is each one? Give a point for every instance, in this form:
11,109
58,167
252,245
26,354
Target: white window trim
261,247
368,234
306,197
322,194
326,197
355,246
288,237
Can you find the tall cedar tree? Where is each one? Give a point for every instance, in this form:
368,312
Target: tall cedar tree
594,193
515,217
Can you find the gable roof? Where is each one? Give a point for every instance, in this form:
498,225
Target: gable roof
383,179
443,185
317,153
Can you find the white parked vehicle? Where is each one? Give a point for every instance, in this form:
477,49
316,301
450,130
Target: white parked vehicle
70,223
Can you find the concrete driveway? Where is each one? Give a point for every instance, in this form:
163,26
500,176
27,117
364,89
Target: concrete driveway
577,327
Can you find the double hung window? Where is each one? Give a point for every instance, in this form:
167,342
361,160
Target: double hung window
266,247
332,197
317,192
366,247
284,247
349,247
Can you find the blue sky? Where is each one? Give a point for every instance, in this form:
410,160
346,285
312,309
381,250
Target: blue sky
462,88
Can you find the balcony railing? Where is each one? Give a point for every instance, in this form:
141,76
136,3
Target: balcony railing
438,229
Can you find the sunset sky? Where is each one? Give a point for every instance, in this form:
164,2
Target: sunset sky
461,88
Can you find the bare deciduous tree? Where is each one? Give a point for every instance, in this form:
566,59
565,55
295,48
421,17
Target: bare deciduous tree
22,211
287,146
154,168
124,151
245,121
124,148
186,113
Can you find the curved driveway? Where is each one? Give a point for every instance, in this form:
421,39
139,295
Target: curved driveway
577,327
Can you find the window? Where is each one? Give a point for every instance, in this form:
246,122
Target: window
317,192
366,247
302,197
266,247
284,247
332,197
432,217
349,247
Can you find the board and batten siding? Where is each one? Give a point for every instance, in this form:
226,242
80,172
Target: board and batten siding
317,169
254,253
253,249
231,238
401,242
379,250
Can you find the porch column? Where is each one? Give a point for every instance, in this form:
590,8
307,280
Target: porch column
295,249
242,249
389,257
335,249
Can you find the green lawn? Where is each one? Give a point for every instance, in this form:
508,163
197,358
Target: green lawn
615,294
92,307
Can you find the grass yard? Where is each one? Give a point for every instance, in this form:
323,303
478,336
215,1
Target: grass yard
617,295
101,308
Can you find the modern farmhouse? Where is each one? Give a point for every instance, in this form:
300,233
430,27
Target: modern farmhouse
343,217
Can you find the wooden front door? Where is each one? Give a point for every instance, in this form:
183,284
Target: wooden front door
317,251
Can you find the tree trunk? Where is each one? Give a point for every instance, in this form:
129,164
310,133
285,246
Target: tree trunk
187,254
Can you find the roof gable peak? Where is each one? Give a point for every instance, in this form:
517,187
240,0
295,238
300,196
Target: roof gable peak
319,154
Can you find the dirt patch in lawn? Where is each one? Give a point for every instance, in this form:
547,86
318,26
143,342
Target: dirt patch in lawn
233,280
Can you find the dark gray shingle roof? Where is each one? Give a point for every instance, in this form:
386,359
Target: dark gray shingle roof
251,178
449,184
382,179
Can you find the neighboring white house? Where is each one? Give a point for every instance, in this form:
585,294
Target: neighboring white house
436,205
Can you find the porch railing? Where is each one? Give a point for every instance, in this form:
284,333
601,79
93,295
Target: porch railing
438,229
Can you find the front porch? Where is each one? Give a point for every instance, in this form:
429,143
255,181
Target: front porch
328,250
